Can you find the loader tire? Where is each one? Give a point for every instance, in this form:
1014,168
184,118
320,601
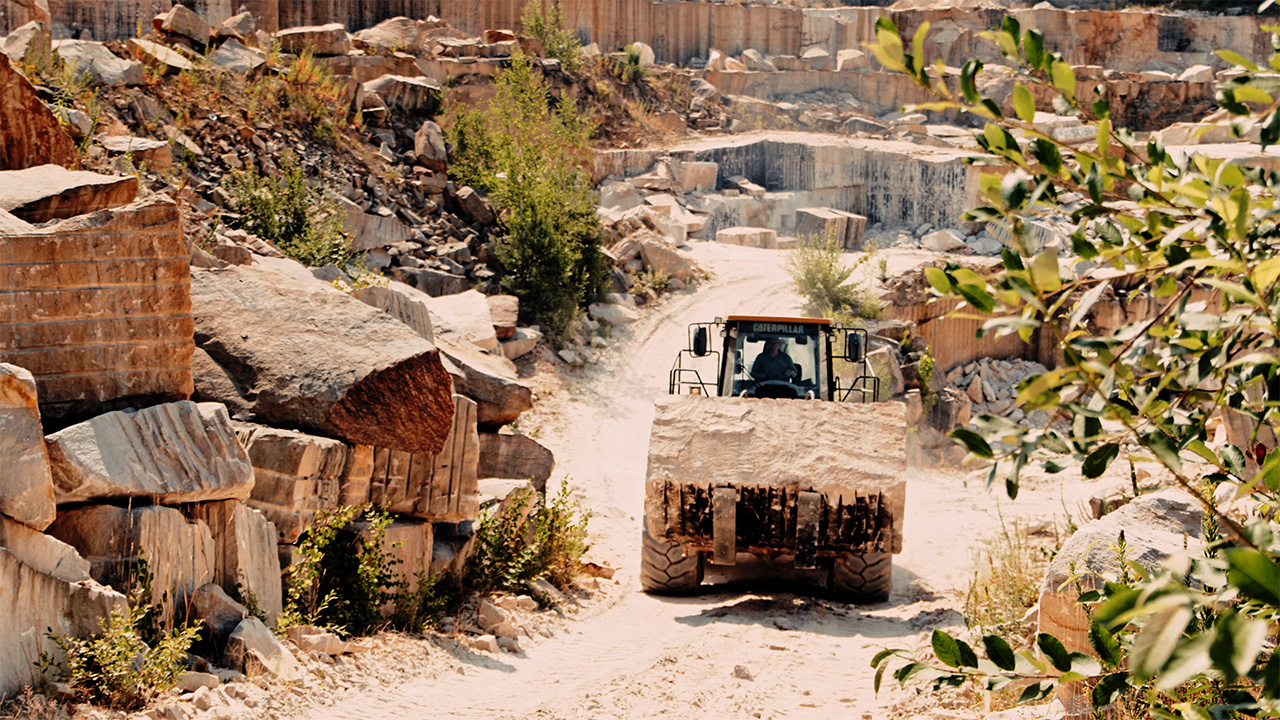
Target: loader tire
667,568
862,577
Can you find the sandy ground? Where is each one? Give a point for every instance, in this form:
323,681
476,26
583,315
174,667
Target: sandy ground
740,650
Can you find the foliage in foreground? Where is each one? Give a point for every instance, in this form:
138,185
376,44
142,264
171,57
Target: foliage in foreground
1192,639
548,28
522,543
291,214
531,159
820,275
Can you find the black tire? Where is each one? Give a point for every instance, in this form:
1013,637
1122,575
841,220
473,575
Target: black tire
667,568
862,577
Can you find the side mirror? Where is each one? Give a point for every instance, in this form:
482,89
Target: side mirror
700,342
853,347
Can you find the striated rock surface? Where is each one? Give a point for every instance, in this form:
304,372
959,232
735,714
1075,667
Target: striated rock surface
51,192
178,554
43,553
245,558
172,453
504,455
464,318
26,485
406,304
254,650
299,353
30,134
491,381
92,346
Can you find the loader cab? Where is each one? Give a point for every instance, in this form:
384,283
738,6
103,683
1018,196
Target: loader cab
791,358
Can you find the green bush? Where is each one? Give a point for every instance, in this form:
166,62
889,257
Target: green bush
820,275
291,214
523,543
303,91
630,70
548,29
532,160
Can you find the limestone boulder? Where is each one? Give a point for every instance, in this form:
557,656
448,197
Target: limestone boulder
429,147
946,240
402,302
30,134
244,547
159,57
37,603
852,60
397,33
748,237
410,94
255,651
234,56
504,311
369,231
489,380
613,315
103,67
29,43
464,318
756,62
211,606
331,39
661,255
241,26
619,195
302,354
179,555
155,155
817,59
182,20
521,343
698,176
435,283
50,192
137,349
173,453
440,487
506,455
26,493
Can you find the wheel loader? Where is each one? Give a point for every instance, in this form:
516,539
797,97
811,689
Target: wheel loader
774,445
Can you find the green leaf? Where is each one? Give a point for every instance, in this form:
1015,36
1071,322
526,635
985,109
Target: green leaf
938,280
1038,691
880,657
1236,59
917,47
1109,689
1099,460
1024,104
1105,644
1084,664
1087,302
1265,273
875,685
972,442
1237,644
1155,642
1033,46
999,652
968,658
1044,271
944,646
1165,449
968,86
977,297
1254,574
1064,78
1053,649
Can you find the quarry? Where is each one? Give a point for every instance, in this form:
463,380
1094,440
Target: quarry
266,345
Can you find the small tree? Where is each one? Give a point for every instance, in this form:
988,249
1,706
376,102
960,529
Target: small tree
548,29
821,276
1178,229
531,157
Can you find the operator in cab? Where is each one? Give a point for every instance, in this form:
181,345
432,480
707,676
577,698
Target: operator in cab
774,363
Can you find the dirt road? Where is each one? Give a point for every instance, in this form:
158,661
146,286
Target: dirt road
736,652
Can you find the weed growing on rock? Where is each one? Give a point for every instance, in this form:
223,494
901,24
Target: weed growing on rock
527,539
291,214
305,92
1006,583
629,69
653,279
548,28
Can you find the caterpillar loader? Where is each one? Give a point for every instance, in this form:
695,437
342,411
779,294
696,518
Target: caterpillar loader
774,445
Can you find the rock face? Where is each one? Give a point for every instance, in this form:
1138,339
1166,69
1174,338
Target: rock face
245,557
137,351
36,602
30,134
490,381
176,452
26,493
1155,527
515,456
303,354
50,192
178,554
440,487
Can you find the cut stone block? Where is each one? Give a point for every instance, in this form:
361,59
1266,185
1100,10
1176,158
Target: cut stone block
182,20
245,559
172,453
220,614
51,192
331,39
26,493
410,94
103,67
178,554
504,311
504,455
300,353
369,231
441,487
521,343
43,553
160,58
154,154
406,304
820,223
665,257
464,318
234,56
30,134
435,283
698,176
137,349
748,237
255,651
489,380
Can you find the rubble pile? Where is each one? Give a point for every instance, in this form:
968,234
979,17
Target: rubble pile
992,386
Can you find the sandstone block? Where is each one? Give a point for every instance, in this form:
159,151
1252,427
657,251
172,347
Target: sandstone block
234,56
43,553
521,343
504,310
160,58
154,154
245,559
398,33
411,94
850,59
31,42
37,602
369,231
137,349
174,453
698,176
748,237
303,354
50,192
331,39
619,195
436,283
613,315
756,62
255,651
410,543
402,302
504,455
440,487
182,20
30,134
212,606
946,240
661,255
102,66
489,380
475,205
429,147
26,494
817,59
178,554
464,319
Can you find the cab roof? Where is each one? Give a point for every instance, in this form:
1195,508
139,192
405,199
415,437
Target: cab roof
778,319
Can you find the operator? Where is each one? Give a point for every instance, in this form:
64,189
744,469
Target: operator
773,363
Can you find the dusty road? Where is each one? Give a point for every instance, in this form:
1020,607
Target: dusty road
630,655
